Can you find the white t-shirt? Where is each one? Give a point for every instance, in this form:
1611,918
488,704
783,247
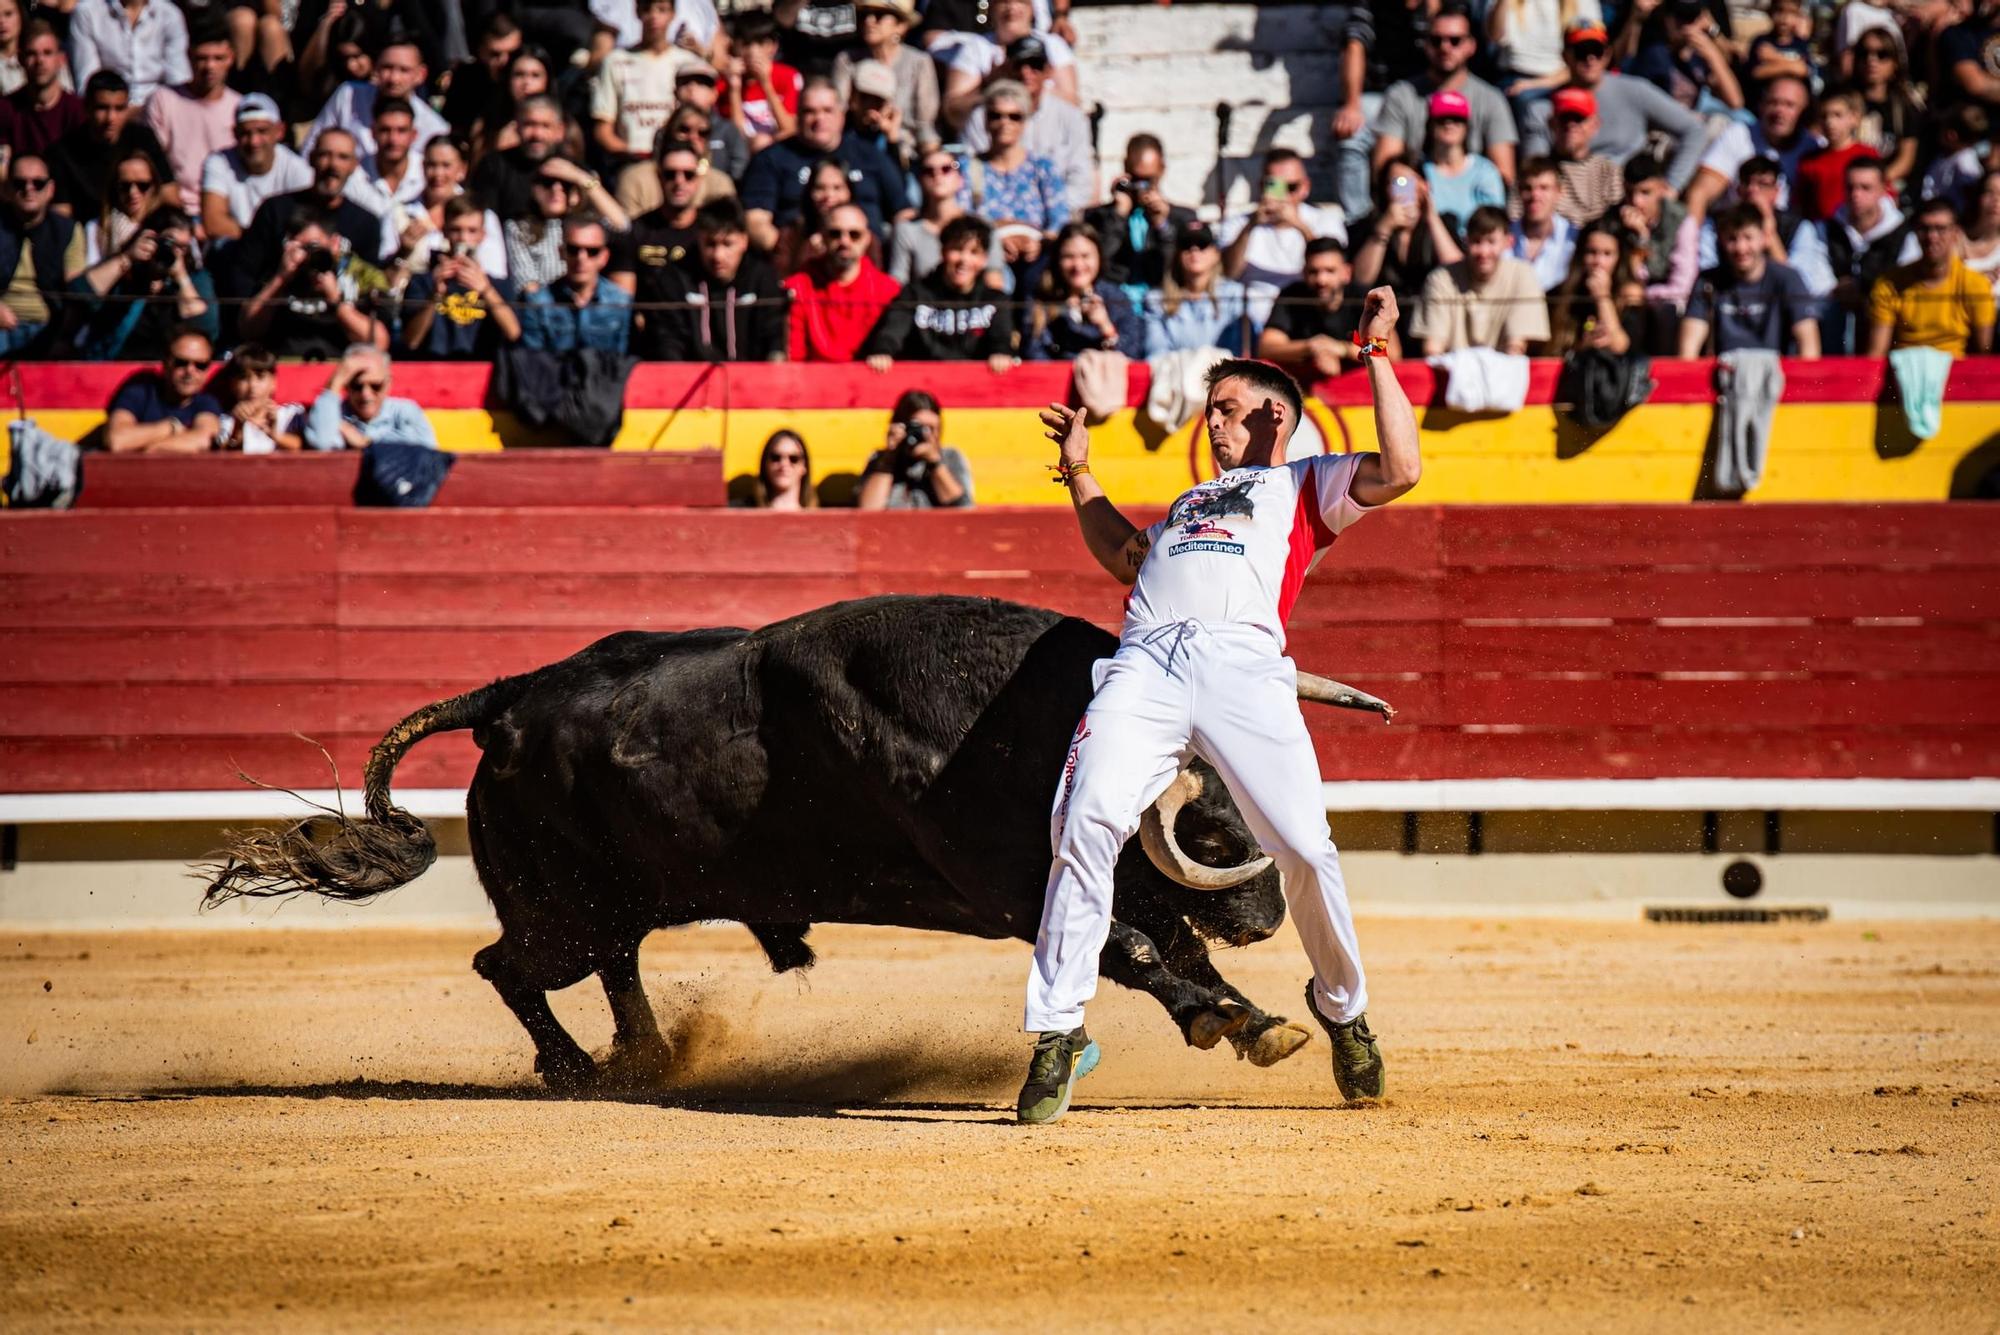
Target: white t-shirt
1277,254
1238,549
634,90
223,174
980,55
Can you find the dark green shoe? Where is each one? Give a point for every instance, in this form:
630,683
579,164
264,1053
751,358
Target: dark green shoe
1357,1062
1061,1059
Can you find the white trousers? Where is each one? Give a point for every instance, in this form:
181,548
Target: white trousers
1223,693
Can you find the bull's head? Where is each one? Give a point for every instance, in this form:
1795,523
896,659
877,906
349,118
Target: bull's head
1157,828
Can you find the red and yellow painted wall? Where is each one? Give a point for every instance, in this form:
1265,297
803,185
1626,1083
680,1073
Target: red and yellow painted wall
1839,435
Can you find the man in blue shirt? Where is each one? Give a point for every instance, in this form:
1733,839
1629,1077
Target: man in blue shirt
774,184
355,411
1751,300
580,309
166,411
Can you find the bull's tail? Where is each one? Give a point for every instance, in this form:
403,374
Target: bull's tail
345,857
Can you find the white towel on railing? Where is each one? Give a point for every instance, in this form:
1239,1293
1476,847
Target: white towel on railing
1178,390
1921,374
1483,380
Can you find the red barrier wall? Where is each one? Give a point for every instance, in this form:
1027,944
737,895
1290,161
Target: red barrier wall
162,649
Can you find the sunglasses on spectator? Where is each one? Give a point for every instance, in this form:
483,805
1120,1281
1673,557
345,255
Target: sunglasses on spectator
26,183
784,458
941,169
371,386
135,185
1448,39
680,174
190,363
1448,120
706,80
1876,53
1006,116
588,252
551,183
844,233
1588,51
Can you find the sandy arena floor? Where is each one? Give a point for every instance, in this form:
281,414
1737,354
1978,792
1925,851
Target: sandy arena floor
1713,1128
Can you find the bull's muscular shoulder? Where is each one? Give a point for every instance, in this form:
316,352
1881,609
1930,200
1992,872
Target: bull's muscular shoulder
912,684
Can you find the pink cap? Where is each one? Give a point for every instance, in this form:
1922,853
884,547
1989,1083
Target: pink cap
1445,102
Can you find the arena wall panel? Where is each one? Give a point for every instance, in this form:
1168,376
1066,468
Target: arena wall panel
1840,435
169,649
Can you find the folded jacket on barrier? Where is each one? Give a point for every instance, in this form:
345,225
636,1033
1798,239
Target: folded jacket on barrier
1748,384
581,392
1483,380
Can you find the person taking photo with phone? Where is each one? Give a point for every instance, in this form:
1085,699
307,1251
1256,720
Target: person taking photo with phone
1264,247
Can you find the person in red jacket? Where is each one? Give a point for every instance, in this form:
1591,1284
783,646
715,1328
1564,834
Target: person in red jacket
1823,175
838,297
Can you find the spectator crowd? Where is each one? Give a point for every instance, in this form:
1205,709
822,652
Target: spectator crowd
896,180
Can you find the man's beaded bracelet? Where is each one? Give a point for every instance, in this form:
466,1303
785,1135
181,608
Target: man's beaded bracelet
1067,473
1364,348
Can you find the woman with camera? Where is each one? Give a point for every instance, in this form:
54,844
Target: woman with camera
313,305
147,288
914,470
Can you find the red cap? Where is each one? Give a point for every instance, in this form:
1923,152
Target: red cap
1446,103
1578,102
1586,30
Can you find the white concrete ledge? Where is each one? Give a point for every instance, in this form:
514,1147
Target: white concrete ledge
212,805
1664,795
1364,795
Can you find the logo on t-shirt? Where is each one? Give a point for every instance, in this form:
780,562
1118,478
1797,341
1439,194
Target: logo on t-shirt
1196,513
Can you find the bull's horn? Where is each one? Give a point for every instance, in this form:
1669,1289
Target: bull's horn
1326,691
1156,836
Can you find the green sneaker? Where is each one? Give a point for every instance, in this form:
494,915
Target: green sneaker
1061,1059
1357,1062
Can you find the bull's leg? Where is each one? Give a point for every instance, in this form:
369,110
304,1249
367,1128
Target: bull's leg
1205,1016
560,1061
784,944
1267,1039
639,1055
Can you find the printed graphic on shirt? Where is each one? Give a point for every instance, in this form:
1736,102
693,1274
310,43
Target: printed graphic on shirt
1193,524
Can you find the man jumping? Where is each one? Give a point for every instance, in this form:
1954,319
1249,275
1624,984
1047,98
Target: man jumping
1200,670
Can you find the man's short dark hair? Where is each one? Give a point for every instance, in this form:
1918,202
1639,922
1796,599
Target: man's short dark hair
164,217
965,227
252,359
105,81
1486,220
1274,156
38,28
461,206
308,216
720,216
1864,165
186,330
1534,167
1455,9
1754,169
498,24
1325,245
1643,167
1263,378
753,25
1932,206
1144,142
207,30
392,106
1736,218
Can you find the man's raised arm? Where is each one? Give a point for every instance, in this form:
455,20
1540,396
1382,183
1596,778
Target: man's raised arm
1118,545
1381,478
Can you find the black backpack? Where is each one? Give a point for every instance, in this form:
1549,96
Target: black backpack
1600,387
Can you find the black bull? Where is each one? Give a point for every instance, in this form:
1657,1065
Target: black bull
890,761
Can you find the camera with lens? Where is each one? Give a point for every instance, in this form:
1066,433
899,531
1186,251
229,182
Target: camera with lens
916,433
165,251
318,260
462,250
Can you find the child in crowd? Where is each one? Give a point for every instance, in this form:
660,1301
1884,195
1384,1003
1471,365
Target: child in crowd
1960,162
253,420
1823,175
1786,48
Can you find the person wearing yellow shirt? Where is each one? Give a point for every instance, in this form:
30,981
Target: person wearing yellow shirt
1934,301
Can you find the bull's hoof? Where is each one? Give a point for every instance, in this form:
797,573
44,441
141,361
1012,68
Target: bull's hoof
1277,1042
1208,1027
636,1065
566,1073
